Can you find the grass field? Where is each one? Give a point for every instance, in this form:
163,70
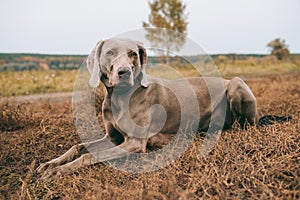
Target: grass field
258,163
36,82
45,81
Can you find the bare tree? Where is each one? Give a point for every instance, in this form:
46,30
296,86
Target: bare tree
167,24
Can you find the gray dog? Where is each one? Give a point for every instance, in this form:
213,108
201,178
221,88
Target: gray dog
140,110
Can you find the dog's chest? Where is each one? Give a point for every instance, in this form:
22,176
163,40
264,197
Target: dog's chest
128,118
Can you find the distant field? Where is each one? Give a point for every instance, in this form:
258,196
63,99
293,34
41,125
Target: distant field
58,73
244,69
36,82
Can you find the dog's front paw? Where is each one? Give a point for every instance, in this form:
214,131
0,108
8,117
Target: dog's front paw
55,173
45,166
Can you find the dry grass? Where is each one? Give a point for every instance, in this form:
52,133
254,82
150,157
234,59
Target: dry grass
36,82
47,81
244,164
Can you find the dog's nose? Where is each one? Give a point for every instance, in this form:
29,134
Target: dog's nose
124,72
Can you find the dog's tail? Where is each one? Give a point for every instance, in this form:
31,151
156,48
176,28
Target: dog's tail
269,120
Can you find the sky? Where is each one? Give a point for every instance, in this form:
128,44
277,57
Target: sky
74,26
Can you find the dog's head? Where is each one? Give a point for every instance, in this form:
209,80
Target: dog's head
118,62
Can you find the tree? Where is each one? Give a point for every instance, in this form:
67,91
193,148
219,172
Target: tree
279,49
167,25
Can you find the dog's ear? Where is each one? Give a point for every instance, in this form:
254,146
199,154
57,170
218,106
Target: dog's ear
143,61
93,65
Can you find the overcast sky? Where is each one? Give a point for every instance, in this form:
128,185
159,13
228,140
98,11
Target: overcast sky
74,26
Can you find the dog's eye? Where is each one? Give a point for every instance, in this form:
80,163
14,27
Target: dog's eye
132,54
110,53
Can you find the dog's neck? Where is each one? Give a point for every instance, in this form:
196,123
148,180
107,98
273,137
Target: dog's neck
120,97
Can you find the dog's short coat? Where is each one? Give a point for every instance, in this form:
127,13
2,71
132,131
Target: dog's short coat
139,109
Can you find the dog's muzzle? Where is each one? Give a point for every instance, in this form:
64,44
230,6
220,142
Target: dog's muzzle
124,73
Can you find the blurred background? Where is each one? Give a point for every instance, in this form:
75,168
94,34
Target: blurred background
44,38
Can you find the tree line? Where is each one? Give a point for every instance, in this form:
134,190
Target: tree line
21,62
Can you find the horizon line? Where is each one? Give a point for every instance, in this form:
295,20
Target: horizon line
81,54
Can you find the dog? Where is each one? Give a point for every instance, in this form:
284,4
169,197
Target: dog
139,110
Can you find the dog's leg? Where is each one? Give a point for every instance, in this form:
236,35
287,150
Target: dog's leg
114,135
76,150
131,145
